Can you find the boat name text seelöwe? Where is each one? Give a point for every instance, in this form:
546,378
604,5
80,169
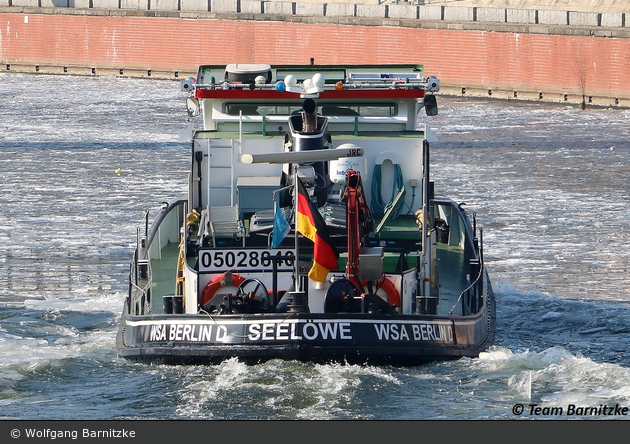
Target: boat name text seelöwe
295,331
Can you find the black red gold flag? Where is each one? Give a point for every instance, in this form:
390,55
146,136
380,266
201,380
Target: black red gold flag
312,226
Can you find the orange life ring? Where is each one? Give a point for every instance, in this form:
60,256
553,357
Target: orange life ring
393,296
228,278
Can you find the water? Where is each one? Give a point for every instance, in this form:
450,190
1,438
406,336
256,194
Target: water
548,182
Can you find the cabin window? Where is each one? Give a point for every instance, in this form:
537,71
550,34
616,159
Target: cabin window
364,109
325,109
280,110
234,109
252,109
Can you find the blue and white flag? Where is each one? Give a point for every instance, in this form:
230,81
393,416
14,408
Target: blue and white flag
280,227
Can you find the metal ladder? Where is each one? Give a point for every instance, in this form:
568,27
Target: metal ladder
221,172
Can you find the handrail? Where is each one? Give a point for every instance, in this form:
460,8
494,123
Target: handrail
279,118
133,278
476,281
165,209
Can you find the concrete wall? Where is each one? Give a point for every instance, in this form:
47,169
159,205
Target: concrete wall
406,11
29,3
403,11
430,12
334,8
528,16
246,6
548,17
519,64
491,15
340,10
613,19
139,5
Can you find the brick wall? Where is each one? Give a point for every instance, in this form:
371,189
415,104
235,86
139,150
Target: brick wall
491,60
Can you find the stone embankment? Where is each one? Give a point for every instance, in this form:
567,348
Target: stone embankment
471,14
517,49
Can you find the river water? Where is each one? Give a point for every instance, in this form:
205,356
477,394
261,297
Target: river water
82,158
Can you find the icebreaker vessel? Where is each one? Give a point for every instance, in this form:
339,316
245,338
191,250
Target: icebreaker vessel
311,229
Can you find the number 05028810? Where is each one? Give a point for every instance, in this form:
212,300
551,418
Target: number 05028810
245,260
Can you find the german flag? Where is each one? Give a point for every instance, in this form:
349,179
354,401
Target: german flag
311,224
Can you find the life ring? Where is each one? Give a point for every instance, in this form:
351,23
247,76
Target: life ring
227,279
390,290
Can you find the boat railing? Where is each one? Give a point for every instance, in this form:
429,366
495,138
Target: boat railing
149,243
280,118
139,285
156,237
471,297
266,124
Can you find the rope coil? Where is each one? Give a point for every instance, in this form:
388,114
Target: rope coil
377,205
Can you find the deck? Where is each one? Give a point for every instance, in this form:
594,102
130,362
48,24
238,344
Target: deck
450,260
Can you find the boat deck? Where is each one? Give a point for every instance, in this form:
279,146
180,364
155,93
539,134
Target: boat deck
452,271
163,283
450,260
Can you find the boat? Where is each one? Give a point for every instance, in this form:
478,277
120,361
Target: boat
310,229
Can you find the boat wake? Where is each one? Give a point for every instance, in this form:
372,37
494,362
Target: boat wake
277,390
559,352
531,320
47,333
488,385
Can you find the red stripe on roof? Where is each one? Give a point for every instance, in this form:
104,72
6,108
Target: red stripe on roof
327,94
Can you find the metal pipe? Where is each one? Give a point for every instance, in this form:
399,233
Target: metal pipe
302,156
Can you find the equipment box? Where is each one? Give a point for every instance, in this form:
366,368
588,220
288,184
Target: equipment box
370,263
255,193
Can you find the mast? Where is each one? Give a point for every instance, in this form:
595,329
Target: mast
425,257
298,281
351,199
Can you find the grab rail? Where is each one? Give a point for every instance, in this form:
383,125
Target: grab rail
477,279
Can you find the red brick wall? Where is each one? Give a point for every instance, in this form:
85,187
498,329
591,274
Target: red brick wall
490,60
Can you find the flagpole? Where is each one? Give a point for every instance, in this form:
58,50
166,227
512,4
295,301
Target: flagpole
298,282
